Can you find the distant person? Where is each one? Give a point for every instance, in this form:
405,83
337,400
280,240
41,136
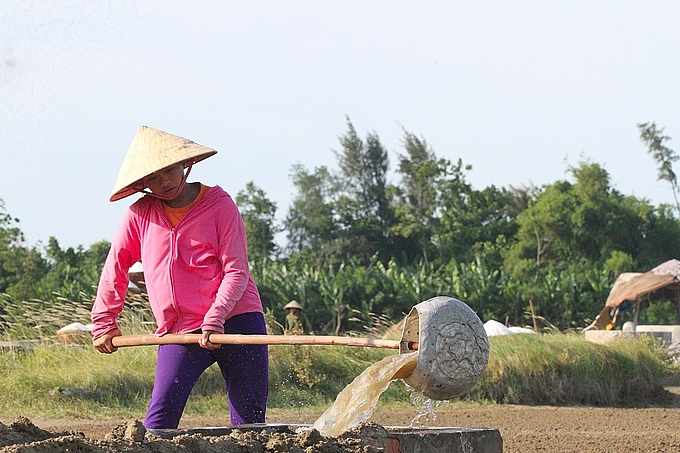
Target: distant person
192,242
296,321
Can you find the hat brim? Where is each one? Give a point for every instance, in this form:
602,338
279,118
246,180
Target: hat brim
152,150
137,186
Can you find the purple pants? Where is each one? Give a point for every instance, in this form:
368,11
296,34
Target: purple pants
245,369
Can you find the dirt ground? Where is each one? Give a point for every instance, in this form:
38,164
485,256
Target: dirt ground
524,429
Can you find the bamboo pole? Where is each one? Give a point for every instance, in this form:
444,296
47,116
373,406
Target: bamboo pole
192,338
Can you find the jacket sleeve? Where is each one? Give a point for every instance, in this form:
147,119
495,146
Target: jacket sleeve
113,284
233,253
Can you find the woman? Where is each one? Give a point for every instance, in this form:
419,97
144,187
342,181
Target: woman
192,243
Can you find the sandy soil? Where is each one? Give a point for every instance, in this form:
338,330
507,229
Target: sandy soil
524,429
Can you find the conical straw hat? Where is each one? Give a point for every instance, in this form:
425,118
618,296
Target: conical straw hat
150,151
293,304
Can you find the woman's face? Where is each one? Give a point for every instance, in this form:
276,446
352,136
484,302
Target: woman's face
166,181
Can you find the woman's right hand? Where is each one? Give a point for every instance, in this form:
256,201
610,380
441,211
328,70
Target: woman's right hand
104,343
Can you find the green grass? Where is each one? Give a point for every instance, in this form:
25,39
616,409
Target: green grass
40,382
33,382
565,369
523,369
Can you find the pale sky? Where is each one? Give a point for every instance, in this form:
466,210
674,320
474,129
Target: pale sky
520,90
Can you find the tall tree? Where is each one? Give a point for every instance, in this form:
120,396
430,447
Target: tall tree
585,220
311,222
472,217
259,217
21,267
73,270
654,139
419,197
363,203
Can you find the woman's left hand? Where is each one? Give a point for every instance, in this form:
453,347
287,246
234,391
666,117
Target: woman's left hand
205,343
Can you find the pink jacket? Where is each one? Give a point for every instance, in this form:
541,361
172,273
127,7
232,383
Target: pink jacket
196,274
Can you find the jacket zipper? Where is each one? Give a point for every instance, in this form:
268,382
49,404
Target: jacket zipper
173,248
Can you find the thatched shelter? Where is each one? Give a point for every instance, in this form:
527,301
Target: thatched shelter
634,288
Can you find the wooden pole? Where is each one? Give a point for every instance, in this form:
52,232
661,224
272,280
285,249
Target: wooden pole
533,314
191,338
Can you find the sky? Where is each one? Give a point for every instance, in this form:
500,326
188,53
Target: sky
519,90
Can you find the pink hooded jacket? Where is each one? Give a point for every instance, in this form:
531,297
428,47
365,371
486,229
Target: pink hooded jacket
196,274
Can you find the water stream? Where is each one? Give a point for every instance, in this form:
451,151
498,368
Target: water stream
356,402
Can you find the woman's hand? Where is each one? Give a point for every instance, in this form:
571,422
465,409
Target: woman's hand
104,343
204,341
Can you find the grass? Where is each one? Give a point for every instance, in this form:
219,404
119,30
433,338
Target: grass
57,381
565,369
75,382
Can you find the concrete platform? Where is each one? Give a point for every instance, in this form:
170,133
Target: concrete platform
393,439
665,334
605,336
